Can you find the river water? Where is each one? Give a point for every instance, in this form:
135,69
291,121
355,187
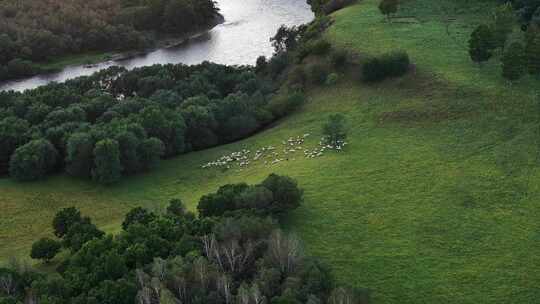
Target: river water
244,36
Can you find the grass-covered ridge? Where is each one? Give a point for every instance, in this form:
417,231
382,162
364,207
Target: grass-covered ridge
435,200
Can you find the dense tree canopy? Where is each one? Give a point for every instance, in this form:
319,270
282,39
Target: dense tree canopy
119,122
34,31
176,257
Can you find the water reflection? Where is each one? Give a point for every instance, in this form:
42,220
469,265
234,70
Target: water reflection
243,37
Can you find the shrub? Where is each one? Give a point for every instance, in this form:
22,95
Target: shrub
45,249
286,193
316,73
319,47
332,79
281,105
296,77
33,160
17,68
334,130
482,43
388,7
338,58
393,64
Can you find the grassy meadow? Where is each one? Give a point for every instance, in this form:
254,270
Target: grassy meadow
434,200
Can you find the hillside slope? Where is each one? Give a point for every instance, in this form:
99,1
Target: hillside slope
435,199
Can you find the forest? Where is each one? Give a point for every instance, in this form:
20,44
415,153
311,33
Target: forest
117,123
225,255
38,31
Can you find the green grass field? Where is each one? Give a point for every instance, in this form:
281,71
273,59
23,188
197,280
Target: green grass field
435,200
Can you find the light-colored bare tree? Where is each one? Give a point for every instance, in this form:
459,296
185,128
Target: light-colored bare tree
285,251
256,294
242,294
7,284
224,286
342,296
159,268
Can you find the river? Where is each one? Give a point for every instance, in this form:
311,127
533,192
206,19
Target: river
244,36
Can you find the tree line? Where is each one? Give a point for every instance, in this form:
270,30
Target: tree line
520,54
117,122
233,252
37,31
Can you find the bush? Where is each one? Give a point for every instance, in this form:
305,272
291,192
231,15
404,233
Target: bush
45,249
297,77
332,79
316,73
338,58
393,64
281,105
319,47
18,68
33,160
334,5
335,131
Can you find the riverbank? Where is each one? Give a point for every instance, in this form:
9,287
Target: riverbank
91,59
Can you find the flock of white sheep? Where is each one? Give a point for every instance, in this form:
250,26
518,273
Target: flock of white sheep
290,150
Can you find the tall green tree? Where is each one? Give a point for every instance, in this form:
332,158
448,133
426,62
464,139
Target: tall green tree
12,135
79,158
389,7
335,130
481,44
107,165
45,249
33,160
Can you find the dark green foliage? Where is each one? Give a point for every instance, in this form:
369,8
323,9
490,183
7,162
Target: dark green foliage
526,10
37,31
514,61
339,58
149,152
321,7
80,155
185,108
316,73
317,47
286,39
64,220
185,258
275,195
532,50
13,133
261,64
107,166
335,130
283,105
482,43
286,193
176,208
394,64
389,7
45,249
33,161
137,216
503,23
80,233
